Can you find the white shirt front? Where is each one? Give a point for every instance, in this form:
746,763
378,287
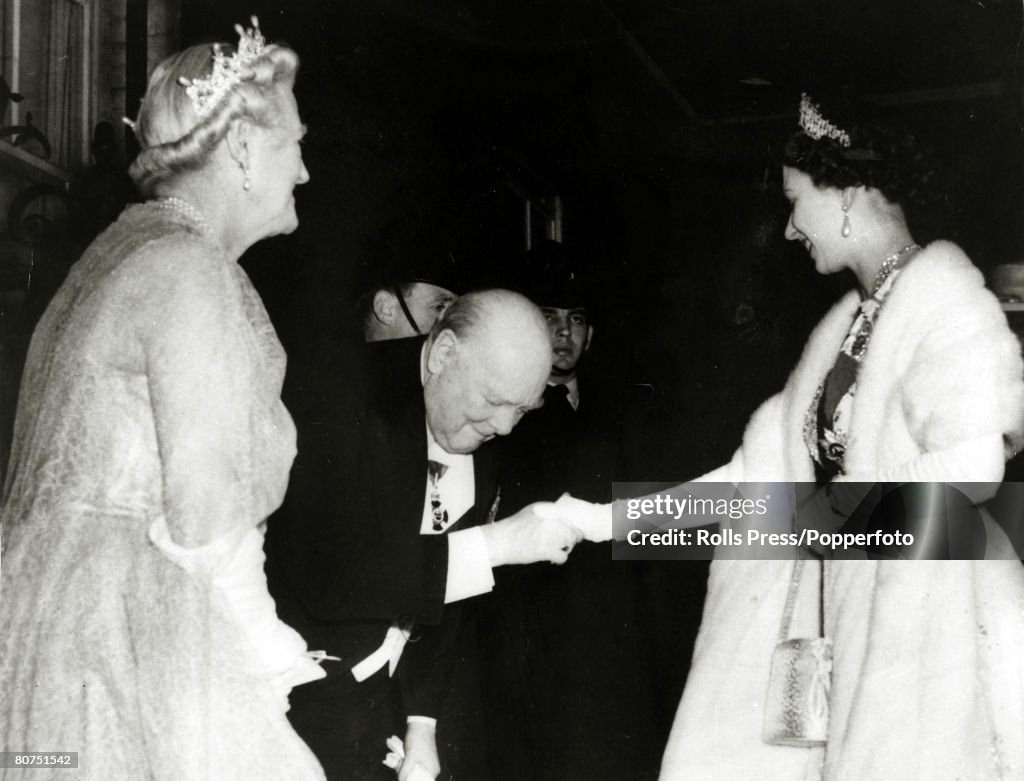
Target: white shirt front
456,487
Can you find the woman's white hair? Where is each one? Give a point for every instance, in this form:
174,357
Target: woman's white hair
174,139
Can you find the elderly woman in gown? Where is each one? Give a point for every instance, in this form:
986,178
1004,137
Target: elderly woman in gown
914,376
151,445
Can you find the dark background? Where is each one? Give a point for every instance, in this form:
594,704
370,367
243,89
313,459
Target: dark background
656,123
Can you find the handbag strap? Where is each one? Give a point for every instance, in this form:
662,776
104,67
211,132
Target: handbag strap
794,588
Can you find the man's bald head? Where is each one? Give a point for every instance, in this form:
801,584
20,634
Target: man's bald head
488,359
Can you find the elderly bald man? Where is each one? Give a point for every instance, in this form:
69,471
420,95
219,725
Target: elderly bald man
398,536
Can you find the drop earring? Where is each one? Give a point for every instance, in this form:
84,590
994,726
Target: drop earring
846,229
246,184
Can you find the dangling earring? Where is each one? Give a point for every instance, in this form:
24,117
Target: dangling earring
846,229
246,184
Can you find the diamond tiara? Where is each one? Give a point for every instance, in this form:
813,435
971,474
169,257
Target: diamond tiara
227,71
816,126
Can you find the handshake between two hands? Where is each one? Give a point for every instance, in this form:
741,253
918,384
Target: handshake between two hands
592,521
547,531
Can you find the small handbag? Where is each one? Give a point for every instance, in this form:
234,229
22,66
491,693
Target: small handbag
797,705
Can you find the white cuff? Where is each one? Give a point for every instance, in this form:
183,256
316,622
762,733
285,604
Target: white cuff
469,566
430,722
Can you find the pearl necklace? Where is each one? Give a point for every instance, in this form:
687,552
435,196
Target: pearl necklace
889,265
172,203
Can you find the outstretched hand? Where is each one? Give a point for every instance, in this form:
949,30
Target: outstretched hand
533,534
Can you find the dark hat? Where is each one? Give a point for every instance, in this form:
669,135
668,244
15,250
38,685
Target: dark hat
402,254
551,275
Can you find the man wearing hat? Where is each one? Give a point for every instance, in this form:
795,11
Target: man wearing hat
567,646
563,302
571,444
409,287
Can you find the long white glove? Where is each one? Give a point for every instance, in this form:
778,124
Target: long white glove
234,565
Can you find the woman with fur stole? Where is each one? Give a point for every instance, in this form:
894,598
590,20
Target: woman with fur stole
912,377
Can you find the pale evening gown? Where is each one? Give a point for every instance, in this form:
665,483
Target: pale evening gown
150,446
